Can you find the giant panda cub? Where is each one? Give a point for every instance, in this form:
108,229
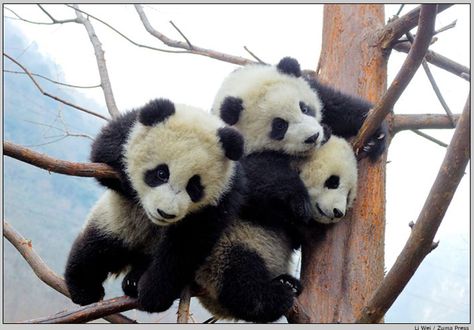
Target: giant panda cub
246,275
284,117
178,184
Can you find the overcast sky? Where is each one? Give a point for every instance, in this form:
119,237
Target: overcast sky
272,32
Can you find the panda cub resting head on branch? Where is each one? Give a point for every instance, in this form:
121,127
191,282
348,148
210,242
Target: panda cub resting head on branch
178,185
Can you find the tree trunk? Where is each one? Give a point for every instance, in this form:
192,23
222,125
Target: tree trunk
340,272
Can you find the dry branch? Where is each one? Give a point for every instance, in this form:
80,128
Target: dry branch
52,80
439,61
37,159
90,312
400,26
54,21
430,138
420,242
407,71
101,65
422,121
42,270
183,308
50,95
191,49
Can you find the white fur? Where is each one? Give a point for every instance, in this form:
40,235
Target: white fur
188,143
268,94
119,217
333,158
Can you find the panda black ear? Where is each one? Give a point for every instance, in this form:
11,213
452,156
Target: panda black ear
232,142
290,66
231,109
156,111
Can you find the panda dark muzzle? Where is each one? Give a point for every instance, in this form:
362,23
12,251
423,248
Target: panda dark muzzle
165,215
312,139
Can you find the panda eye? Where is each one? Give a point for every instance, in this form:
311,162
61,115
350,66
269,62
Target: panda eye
332,182
306,109
279,128
157,176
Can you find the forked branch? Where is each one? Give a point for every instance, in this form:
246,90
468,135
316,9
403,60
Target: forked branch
404,76
420,242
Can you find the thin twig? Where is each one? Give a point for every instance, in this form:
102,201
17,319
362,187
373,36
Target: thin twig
38,86
41,269
403,77
37,159
430,138
447,27
399,10
182,34
422,121
254,56
183,308
420,242
395,29
123,35
101,64
439,61
41,23
434,85
51,80
184,45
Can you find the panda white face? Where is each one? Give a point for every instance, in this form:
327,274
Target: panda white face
272,109
178,165
330,176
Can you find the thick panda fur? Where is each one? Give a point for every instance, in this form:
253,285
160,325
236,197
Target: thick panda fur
247,274
178,186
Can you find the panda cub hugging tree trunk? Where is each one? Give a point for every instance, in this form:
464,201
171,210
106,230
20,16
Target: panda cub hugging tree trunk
178,185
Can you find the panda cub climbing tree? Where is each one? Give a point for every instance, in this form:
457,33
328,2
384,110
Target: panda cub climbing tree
178,185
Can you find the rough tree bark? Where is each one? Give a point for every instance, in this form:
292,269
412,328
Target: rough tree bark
340,272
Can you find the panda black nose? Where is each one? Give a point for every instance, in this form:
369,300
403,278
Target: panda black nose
312,138
165,215
338,213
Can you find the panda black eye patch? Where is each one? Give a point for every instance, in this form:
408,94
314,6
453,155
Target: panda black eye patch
195,189
279,128
157,176
332,182
307,110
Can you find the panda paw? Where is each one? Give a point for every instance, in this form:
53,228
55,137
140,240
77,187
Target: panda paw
291,282
130,283
86,295
301,208
376,144
153,297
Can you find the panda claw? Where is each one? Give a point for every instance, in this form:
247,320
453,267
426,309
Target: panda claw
381,136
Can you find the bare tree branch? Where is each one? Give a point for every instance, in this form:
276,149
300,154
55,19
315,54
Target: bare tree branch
439,61
54,21
400,26
123,35
421,121
90,312
434,85
183,308
182,34
37,159
184,45
101,65
51,80
44,273
50,95
404,76
254,56
430,138
420,242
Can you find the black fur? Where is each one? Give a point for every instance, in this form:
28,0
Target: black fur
95,255
232,142
195,189
108,148
184,249
290,66
279,128
231,109
345,114
249,291
156,111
